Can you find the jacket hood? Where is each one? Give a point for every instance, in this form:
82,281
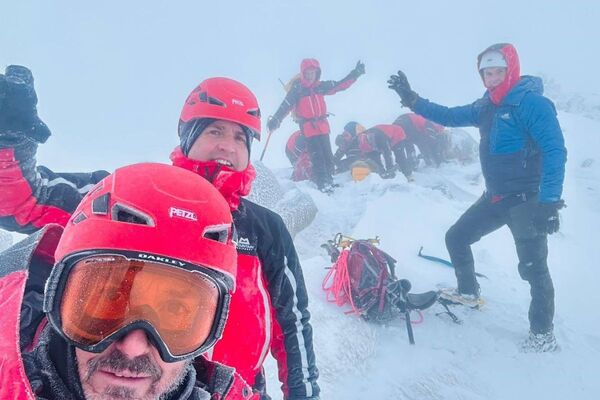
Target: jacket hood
513,70
306,64
527,84
231,183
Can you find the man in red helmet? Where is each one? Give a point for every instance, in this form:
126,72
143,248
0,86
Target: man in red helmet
131,305
307,98
218,122
523,155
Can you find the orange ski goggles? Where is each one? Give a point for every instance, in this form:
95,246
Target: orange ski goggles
96,299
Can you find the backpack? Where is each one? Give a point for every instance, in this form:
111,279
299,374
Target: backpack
363,277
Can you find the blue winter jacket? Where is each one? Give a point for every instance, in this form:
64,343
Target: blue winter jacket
522,148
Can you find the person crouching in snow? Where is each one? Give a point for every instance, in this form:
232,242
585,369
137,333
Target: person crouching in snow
307,98
297,152
523,156
348,150
426,135
399,145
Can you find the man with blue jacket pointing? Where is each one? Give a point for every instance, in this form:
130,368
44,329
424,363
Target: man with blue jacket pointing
523,158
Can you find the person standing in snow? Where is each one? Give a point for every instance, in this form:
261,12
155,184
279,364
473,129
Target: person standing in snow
219,119
132,306
307,98
523,156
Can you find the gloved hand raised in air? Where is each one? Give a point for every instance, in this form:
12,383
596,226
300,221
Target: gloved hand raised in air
546,218
18,111
400,85
359,69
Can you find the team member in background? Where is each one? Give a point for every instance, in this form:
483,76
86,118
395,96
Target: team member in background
523,156
426,135
306,98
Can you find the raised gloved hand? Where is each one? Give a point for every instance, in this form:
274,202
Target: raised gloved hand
546,218
400,85
273,123
18,112
359,69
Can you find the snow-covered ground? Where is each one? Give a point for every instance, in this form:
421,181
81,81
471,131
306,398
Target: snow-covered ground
479,359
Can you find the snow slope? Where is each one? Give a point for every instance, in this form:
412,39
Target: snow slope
480,358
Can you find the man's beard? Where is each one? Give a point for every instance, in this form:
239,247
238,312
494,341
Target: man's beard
116,361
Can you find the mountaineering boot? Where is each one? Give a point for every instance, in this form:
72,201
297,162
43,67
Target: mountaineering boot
452,296
540,343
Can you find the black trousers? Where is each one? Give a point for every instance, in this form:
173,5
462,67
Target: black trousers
402,154
517,212
321,157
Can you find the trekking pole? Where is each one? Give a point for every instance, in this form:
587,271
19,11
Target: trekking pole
262,155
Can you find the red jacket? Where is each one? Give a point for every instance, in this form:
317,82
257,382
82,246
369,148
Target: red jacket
295,146
393,132
269,307
414,124
22,272
308,100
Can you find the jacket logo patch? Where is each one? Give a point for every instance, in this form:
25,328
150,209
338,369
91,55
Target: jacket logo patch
244,244
505,116
181,213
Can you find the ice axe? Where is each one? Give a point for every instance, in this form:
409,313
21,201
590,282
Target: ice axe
442,261
262,155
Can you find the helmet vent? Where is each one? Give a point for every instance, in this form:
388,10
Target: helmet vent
216,102
79,217
217,233
205,98
129,215
100,204
254,112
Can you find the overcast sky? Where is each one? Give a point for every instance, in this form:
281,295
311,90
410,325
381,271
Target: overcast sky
112,75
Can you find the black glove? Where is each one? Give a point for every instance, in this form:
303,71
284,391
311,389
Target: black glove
358,70
273,123
400,84
18,112
546,218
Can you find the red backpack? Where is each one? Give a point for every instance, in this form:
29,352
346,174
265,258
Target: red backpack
363,277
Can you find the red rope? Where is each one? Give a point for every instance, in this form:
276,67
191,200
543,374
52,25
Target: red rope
339,290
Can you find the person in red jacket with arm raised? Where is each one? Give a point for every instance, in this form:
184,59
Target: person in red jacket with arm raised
307,98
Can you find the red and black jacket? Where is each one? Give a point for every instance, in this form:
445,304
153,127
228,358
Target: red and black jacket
308,100
269,308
